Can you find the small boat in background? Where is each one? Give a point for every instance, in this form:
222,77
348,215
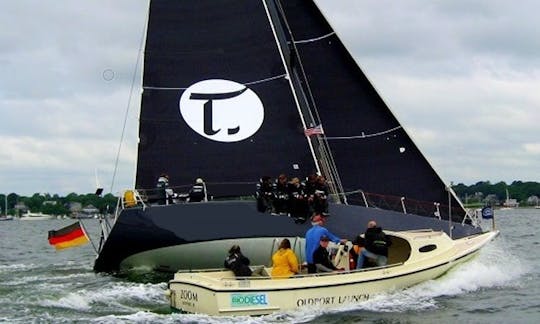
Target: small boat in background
36,216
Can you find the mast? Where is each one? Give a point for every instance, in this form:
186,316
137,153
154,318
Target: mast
306,104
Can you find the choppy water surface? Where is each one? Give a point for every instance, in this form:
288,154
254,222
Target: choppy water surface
40,285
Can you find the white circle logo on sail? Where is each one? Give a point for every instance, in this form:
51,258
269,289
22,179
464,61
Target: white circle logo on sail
222,110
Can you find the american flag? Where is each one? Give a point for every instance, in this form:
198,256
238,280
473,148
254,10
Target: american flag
317,130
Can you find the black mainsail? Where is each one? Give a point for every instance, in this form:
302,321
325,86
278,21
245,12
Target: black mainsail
190,43
229,87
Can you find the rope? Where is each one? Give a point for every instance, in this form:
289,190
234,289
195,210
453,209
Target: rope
89,238
325,161
141,44
246,84
363,135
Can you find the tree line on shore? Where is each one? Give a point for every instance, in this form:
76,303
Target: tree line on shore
527,193
55,204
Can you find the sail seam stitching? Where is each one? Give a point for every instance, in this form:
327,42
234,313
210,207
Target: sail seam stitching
364,135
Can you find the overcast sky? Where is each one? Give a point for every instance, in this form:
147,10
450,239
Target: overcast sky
463,77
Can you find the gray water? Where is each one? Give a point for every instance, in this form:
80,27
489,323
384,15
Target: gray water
41,285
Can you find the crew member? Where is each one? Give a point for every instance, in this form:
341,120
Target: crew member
197,193
377,244
281,198
313,237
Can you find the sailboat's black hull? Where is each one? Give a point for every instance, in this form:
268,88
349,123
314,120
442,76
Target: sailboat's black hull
138,232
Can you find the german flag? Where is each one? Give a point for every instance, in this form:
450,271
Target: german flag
69,236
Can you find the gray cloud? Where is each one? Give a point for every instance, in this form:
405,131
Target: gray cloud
461,76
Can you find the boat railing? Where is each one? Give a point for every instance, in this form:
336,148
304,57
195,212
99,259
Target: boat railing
475,215
201,270
402,204
240,279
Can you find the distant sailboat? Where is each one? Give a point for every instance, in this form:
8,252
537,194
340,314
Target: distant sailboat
509,203
5,217
234,90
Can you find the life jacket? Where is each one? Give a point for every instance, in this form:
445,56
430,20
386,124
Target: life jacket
129,199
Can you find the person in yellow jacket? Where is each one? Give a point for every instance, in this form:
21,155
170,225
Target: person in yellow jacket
285,263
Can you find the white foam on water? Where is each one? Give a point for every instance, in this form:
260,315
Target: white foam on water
46,277
138,317
76,301
148,317
116,295
17,267
492,268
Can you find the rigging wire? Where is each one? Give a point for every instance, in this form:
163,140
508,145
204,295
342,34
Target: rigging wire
363,135
326,160
276,77
139,54
315,39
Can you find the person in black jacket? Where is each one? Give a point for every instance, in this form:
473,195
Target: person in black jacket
298,204
281,198
321,257
197,193
164,193
320,196
237,262
376,246
265,195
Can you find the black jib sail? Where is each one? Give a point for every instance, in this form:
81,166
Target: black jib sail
371,150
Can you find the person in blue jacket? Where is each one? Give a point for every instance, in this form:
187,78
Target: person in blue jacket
313,237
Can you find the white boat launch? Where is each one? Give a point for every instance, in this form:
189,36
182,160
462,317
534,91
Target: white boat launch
36,216
414,257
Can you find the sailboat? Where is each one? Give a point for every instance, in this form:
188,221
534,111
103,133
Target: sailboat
509,203
230,88
5,217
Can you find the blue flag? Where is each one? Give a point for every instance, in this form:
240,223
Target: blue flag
487,212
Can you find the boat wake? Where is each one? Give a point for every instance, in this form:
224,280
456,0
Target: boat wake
120,297
487,271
